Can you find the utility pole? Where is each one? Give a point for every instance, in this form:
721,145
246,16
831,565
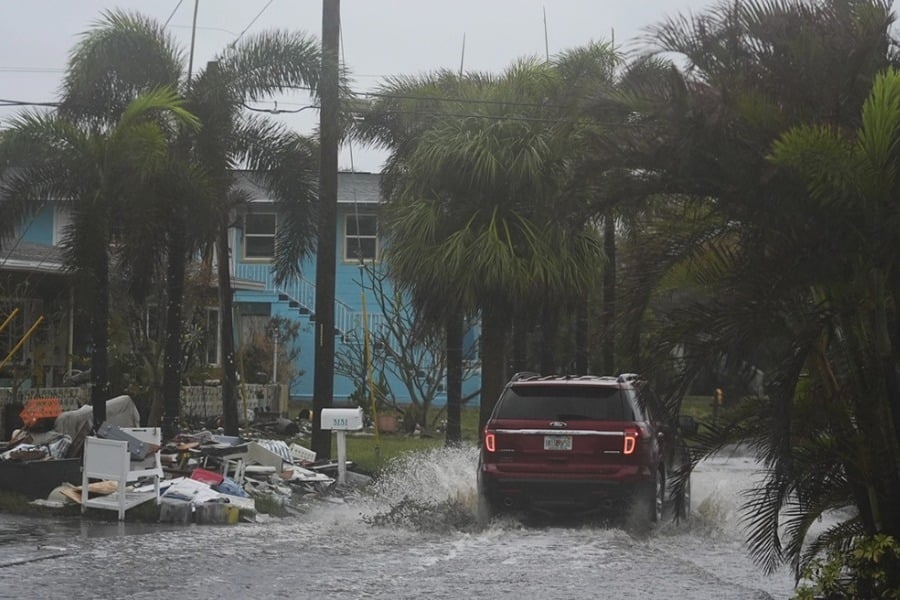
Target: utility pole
326,248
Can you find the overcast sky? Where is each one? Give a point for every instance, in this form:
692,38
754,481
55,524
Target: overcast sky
380,37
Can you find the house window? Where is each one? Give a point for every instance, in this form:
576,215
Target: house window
62,220
360,238
212,333
259,236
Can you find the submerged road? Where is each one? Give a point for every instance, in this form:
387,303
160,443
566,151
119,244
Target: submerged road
414,535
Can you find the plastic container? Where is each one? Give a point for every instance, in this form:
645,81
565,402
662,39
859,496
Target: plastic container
172,510
217,513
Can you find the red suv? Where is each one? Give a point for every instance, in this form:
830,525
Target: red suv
565,443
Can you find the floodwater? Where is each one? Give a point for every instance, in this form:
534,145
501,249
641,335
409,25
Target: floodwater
413,535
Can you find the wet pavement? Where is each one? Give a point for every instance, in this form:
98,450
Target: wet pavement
365,547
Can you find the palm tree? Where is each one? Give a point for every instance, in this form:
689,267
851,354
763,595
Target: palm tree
122,55
253,68
774,271
853,366
96,169
473,206
405,109
125,54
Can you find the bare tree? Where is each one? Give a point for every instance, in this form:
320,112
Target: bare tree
399,349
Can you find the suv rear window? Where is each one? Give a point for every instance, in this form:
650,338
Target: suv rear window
560,402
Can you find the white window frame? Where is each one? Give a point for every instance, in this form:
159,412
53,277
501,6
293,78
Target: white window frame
350,241
255,235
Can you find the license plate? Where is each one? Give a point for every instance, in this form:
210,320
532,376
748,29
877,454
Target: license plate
557,442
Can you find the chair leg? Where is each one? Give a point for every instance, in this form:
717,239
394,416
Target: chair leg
122,499
84,491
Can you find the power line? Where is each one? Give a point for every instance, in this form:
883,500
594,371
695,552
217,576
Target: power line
5,102
276,110
258,15
172,14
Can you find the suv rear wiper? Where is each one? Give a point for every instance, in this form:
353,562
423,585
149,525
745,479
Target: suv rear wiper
573,417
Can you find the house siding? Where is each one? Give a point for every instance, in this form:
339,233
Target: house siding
254,287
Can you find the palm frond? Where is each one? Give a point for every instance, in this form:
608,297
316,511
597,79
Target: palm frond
265,63
123,55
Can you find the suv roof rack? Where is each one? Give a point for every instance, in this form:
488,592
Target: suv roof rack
524,375
532,376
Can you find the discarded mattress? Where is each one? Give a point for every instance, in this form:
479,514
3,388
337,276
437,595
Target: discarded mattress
120,411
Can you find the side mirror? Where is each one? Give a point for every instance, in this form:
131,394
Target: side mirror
688,424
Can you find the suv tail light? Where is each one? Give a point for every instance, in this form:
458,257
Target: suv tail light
490,441
631,438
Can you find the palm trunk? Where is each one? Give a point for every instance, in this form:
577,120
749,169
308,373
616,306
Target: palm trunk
549,329
609,296
520,345
172,360
581,337
229,368
890,429
454,338
100,338
493,362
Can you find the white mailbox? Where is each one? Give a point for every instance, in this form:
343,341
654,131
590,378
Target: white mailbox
342,419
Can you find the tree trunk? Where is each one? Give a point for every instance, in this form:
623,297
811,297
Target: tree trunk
172,359
493,362
582,353
609,296
520,346
549,329
229,368
100,338
454,379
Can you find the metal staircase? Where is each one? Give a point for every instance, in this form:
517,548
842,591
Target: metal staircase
299,293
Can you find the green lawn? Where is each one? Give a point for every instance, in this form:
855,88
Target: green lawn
370,455
699,407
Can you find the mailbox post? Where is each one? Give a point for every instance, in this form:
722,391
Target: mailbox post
342,420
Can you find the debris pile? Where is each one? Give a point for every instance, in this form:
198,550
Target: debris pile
201,477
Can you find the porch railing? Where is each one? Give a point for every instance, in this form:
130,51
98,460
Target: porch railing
197,401
298,289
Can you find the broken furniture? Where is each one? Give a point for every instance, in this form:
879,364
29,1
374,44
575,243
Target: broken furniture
110,459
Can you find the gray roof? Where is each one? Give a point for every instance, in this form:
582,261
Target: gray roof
28,256
353,188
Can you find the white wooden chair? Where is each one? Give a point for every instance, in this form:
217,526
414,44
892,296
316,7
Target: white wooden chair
110,460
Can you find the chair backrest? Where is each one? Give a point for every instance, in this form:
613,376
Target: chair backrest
105,459
151,436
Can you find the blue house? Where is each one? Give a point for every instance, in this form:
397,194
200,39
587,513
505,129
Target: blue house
264,310
258,298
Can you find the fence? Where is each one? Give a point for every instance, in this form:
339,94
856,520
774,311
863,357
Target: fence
198,402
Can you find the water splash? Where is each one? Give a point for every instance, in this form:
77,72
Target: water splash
430,491
435,491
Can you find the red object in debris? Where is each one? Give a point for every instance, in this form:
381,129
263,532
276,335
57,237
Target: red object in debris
38,409
207,477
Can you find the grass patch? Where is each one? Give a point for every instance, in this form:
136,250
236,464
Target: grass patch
12,502
18,504
699,407
371,456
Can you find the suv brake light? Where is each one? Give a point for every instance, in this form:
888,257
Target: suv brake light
631,437
490,441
